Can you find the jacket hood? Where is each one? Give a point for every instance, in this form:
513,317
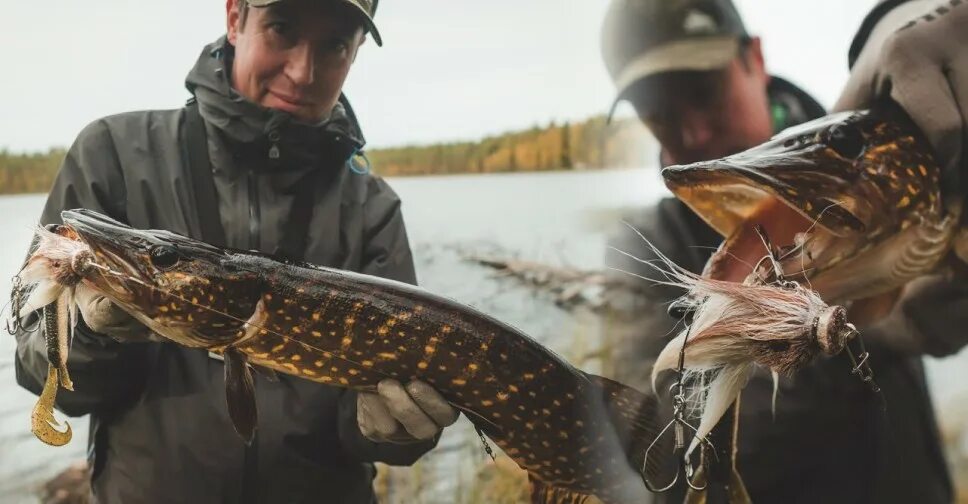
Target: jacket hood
260,128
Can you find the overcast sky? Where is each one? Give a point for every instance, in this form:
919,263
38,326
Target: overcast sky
449,69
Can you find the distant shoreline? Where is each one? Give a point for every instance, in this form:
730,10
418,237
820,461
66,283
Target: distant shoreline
592,144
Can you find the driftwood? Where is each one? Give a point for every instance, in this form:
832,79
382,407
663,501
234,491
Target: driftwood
570,287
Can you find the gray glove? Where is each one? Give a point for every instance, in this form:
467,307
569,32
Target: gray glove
930,318
918,55
403,415
104,317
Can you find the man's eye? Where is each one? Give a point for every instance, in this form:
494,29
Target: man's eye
339,45
278,27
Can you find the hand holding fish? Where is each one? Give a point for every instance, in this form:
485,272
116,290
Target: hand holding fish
104,317
399,414
918,55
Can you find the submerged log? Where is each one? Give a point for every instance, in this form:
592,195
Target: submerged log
570,287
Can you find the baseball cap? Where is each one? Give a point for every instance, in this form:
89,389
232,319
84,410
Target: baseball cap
647,37
366,7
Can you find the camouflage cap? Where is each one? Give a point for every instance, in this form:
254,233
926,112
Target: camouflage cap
367,9
645,37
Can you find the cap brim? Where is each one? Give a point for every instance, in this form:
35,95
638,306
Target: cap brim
367,19
698,54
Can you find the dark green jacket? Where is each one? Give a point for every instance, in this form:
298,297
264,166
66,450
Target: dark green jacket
160,431
828,441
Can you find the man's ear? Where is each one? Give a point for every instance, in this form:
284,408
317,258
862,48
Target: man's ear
233,17
754,56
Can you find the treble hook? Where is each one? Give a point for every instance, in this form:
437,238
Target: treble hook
16,304
679,426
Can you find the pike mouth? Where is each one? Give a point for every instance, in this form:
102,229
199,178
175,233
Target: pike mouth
726,195
735,200
118,248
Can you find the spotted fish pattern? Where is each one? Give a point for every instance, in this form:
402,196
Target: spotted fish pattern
575,433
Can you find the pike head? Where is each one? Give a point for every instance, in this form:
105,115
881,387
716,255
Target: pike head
853,198
190,292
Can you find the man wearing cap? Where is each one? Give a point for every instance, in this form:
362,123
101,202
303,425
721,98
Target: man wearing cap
698,82
265,156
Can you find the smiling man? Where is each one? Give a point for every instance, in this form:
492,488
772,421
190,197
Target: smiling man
260,159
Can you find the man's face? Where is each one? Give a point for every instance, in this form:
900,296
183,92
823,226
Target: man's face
698,116
294,55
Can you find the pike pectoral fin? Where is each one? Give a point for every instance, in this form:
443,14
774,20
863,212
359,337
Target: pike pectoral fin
42,422
240,394
545,494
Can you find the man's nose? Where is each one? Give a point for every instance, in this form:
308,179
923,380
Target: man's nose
301,66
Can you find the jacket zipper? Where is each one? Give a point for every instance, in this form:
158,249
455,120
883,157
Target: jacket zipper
255,211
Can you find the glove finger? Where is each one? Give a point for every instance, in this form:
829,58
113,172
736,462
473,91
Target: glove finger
375,421
406,411
432,403
929,98
858,92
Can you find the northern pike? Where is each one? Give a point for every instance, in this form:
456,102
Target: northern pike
854,199
575,433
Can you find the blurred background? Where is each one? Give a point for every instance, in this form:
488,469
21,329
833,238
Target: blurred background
486,117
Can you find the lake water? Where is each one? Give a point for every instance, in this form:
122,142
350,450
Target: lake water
557,218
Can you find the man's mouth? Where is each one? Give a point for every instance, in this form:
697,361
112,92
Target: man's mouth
289,102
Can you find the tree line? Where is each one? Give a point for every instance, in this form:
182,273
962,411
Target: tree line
29,172
588,144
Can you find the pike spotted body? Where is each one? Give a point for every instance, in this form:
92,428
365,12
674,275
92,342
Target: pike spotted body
576,434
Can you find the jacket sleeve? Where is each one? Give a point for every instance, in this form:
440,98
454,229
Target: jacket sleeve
386,253
105,373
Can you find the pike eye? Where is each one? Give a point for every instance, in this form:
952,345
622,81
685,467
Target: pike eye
846,140
164,256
